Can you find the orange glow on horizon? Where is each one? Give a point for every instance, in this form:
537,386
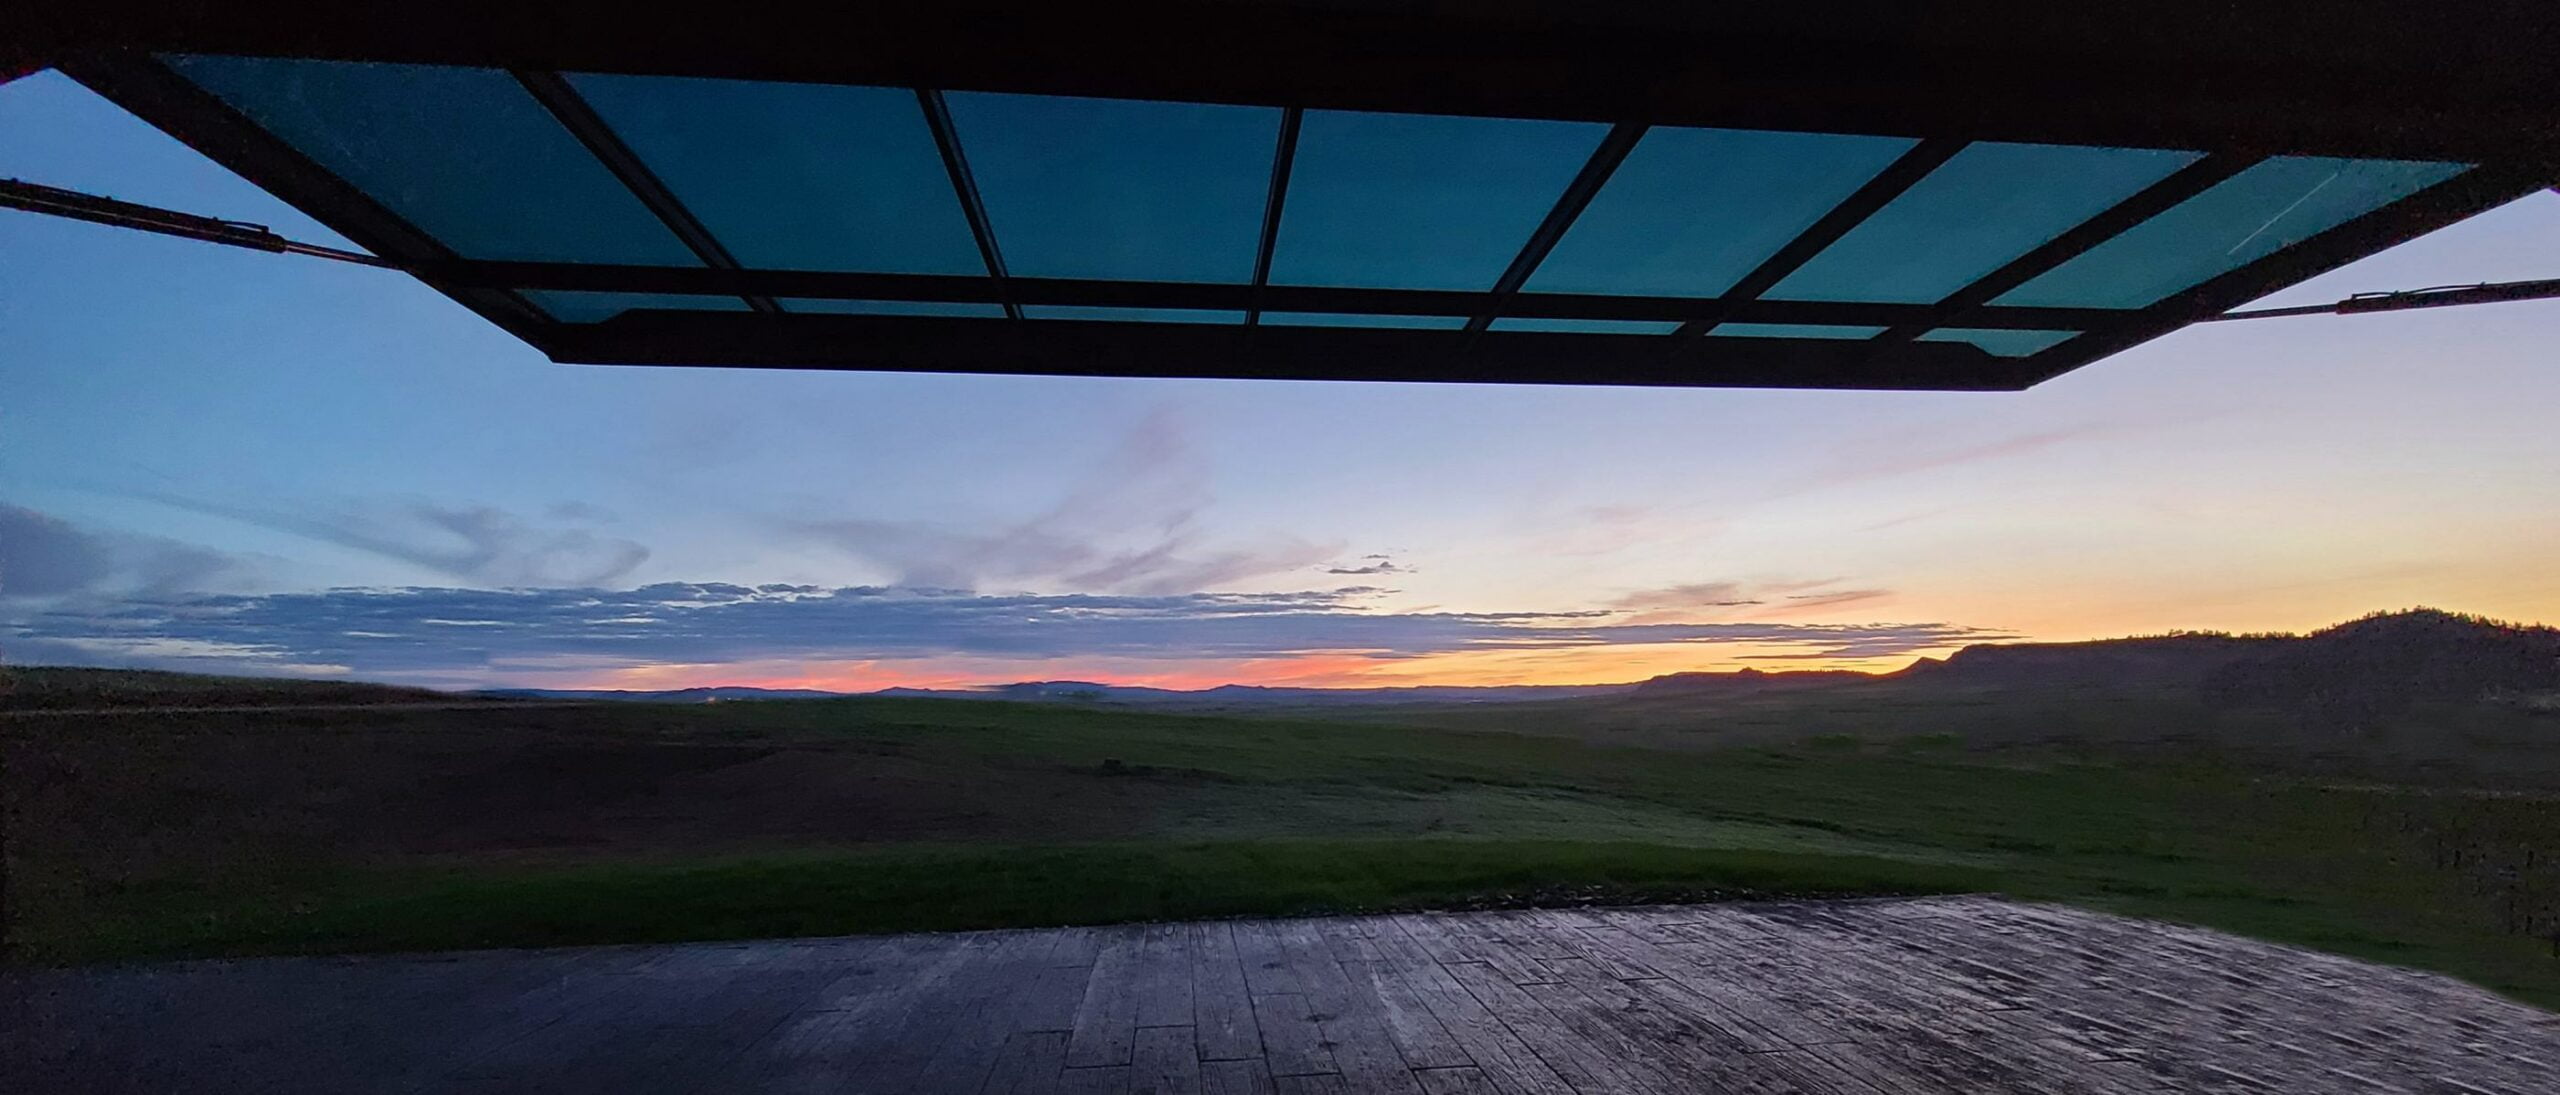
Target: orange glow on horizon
1613,664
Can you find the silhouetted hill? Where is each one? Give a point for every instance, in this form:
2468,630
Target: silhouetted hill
2368,667
2159,661
2385,662
48,687
1747,680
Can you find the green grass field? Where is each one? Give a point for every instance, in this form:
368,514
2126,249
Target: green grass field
224,832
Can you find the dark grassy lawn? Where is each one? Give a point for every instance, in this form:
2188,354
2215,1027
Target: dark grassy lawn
916,888
226,832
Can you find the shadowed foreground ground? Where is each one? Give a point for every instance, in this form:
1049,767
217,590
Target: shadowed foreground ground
1936,994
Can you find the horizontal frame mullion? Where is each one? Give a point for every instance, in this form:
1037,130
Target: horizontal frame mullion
1234,351
819,285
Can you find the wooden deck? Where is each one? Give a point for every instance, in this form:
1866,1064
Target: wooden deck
1951,994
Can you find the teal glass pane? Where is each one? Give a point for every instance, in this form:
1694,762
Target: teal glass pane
1117,188
1988,205
959,308
1130,315
2247,217
796,176
580,306
465,154
1792,330
2002,343
1348,319
1410,201
1587,326
1691,211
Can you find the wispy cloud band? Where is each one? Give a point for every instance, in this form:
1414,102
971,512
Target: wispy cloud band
441,631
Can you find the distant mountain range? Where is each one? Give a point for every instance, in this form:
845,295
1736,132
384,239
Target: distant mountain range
707,694
2369,666
2350,674
1096,692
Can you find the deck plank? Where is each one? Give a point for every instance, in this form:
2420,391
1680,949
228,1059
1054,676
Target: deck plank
1506,1061
1248,1077
1106,1023
1099,1080
1456,1081
1027,1064
1419,1035
950,1040
1350,1015
1000,1004
1781,998
1584,1066
1267,970
1163,976
1163,1062
1292,1037
1221,1005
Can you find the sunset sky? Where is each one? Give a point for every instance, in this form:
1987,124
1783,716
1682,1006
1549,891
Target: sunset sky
221,460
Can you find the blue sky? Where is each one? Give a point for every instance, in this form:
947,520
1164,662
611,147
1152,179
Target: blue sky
198,444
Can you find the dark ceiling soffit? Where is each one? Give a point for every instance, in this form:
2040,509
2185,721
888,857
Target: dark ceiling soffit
1586,184
1284,155
1077,348
151,91
818,285
2468,194
2396,80
1888,184
581,121
148,90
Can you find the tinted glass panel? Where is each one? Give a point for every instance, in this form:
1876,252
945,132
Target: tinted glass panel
796,176
1130,315
1988,205
2002,343
964,309
1410,201
1587,326
464,154
578,306
1792,330
2247,217
1693,210
1116,188
1347,319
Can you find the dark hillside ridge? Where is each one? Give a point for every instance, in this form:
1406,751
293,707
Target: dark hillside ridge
2386,662
2158,661
1747,680
2350,673
65,688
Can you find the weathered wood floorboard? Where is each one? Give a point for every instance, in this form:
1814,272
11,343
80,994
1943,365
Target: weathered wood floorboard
1222,1021
1963,994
